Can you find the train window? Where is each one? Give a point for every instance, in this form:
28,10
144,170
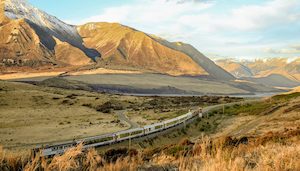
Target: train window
136,132
171,123
124,135
98,140
158,127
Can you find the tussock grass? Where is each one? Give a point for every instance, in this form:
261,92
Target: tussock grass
226,153
248,108
286,96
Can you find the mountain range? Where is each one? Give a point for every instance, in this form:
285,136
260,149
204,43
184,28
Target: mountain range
35,40
276,72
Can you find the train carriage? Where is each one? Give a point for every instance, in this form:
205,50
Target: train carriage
170,123
132,133
99,140
57,149
153,128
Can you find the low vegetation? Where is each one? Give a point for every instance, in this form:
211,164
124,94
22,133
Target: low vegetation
272,151
286,96
249,136
32,114
247,108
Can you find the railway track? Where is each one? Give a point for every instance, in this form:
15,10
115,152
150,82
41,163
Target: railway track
147,131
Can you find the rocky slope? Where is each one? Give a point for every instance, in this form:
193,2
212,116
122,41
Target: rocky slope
32,38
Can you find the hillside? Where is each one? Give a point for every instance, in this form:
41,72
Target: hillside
214,70
260,135
124,46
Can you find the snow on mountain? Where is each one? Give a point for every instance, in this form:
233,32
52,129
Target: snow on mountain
47,26
16,9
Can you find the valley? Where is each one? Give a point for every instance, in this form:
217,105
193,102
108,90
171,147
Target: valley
99,94
146,84
32,115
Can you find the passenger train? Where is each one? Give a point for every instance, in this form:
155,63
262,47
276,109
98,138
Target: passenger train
112,138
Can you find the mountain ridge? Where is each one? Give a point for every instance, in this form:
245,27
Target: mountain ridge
37,39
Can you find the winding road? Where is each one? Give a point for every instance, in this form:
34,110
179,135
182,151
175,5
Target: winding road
122,117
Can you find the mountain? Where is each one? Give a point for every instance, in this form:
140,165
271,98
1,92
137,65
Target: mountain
281,66
235,68
297,89
274,72
31,38
123,46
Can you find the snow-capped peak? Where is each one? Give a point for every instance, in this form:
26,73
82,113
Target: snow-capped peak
17,9
41,21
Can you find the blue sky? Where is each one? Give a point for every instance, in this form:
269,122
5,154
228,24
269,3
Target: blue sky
218,28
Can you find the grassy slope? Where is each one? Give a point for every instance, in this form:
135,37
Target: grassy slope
276,114
278,149
31,114
39,114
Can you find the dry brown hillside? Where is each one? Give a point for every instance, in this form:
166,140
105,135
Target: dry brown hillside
124,46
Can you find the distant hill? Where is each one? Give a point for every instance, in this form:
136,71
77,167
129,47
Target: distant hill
273,80
281,66
297,89
235,68
276,72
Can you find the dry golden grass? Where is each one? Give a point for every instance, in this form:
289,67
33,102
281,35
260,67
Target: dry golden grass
28,75
31,114
273,151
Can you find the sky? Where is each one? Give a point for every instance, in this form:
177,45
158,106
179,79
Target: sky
244,29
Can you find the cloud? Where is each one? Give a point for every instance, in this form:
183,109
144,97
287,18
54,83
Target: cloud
292,49
206,25
148,12
248,18
189,14
186,1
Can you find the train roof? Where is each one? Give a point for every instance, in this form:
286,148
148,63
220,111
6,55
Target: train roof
155,124
129,130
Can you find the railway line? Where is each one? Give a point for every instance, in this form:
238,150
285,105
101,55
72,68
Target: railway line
134,132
